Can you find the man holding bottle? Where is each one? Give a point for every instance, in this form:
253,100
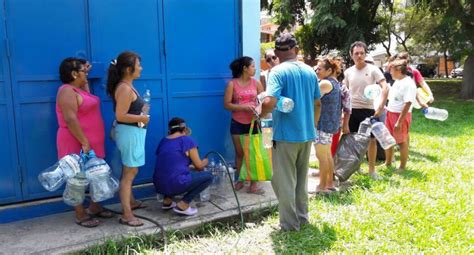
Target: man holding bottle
293,132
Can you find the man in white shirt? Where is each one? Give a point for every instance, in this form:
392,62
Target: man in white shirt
357,78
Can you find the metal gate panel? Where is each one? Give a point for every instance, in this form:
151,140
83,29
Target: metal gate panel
198,66
118,25
40,37
10,189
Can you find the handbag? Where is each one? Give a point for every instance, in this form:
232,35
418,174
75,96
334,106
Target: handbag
257,160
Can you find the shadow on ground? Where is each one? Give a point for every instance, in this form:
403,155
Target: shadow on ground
309,240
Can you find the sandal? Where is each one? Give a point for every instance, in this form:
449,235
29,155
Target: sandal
168,206
139,205
88,222
131,223
104,214
238,185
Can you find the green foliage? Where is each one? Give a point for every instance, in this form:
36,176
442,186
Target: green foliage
328,25
266,46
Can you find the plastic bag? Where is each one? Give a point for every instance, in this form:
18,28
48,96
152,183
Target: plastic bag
349,155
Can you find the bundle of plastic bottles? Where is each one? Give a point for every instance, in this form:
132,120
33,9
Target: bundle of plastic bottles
220,182
78,172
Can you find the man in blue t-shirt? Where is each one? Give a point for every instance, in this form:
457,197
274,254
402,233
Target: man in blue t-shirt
293,132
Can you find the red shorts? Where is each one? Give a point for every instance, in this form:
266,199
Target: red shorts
402,136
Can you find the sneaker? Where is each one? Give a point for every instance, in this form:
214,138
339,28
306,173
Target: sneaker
188,212
375,176
169,206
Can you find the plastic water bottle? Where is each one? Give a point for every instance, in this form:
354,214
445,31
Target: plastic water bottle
232,174
382,134
267,132
365,127
205,195
285,104
102,185
435,113
147,100
373,92
75,191
56,175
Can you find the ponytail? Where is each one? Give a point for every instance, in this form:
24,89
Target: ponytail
117,70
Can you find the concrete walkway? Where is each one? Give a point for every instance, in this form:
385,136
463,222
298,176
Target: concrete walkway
57,233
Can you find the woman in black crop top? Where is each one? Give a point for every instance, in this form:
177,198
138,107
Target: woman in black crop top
129,134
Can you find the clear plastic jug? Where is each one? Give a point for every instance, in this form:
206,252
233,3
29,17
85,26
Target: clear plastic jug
365,127
75,191
56,175
102,185
435,113
381,133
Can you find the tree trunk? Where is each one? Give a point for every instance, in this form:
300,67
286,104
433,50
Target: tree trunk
445,55
467,91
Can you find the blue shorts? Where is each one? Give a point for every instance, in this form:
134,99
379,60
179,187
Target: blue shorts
237,128
130,141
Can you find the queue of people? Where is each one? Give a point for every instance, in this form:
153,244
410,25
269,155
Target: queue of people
327,102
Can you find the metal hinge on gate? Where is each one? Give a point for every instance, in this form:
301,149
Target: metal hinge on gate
20,173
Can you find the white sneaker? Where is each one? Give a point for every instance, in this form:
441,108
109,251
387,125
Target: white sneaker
170,206
188,212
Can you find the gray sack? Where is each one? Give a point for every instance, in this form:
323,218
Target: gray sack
349,154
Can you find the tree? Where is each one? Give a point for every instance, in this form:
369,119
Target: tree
327,25
463,12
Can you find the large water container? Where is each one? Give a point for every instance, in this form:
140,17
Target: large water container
75,191
422,96
56,175
381,133
365,127
102,185
435,113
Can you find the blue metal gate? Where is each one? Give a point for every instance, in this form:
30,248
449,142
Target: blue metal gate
185,49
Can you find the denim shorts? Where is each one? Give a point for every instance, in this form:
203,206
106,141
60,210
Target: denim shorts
237,128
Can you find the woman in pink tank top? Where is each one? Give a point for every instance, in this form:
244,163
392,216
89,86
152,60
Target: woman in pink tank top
241,99
80,125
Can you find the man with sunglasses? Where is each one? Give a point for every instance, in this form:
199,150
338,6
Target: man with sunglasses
272,60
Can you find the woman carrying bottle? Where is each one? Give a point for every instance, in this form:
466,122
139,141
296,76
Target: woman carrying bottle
241,98
129,135
174,156
401,97
80,126
329,121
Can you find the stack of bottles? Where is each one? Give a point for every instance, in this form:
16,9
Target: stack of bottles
79,172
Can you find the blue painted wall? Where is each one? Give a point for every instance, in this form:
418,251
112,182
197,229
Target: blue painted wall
185,47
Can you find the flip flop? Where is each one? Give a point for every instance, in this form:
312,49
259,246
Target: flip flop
239,185
104,214
139,205
168,206
88,222
258,191
131,223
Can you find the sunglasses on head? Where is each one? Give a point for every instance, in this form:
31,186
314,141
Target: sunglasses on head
270,58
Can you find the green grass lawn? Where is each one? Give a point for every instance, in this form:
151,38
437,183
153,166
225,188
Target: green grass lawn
428,209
